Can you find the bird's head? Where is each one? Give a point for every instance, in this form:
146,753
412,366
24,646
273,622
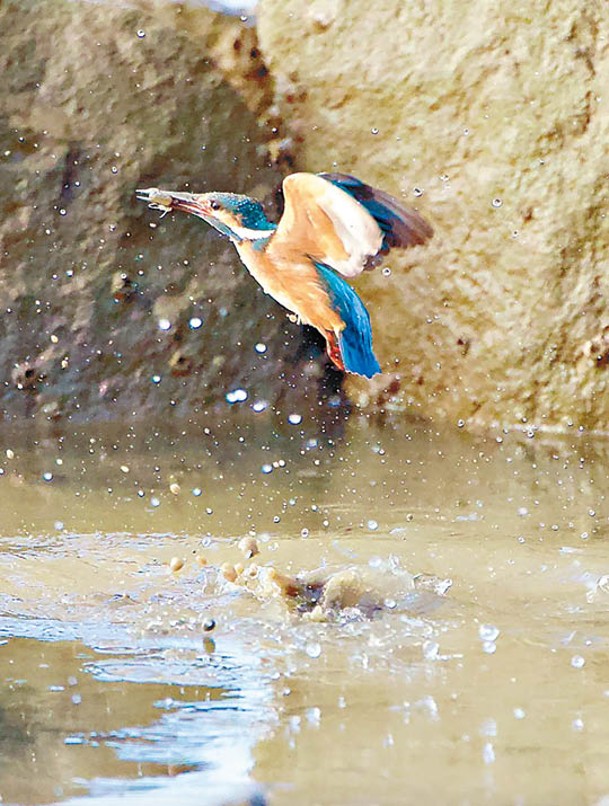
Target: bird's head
239,217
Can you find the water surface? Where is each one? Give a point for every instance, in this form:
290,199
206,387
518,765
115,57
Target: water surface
467,663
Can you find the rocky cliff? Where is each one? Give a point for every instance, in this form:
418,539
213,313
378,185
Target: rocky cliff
493,120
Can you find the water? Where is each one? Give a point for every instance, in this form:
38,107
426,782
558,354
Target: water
465,633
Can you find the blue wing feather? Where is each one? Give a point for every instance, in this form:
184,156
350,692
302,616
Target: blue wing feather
399,225
355,340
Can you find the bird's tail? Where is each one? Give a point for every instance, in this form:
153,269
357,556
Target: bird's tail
355,339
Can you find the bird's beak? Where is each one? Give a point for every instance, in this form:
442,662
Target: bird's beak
169,200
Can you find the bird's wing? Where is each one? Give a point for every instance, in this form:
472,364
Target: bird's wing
322,221
339,221
401,225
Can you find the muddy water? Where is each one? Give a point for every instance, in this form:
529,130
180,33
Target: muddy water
451,645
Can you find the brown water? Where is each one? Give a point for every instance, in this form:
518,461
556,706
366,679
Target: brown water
458,652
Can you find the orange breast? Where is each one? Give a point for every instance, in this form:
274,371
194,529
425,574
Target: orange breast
295,283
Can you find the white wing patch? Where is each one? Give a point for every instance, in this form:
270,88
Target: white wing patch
359,233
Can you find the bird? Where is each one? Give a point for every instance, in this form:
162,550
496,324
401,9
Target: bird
333,227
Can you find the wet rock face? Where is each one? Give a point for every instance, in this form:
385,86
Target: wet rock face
493,121
106,310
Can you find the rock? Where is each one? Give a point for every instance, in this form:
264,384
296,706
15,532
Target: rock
493,121
107,310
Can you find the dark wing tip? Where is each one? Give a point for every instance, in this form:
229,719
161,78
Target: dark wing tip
402,226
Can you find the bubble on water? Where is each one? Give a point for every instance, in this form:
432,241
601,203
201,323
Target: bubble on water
267,468
578,724
519,713
386,271
156,379
164,324
488,632
154,501
313,649
523,511
195,322
578,662
141,34
294,419
417,191
260,348
114,169
260,405
372,525
59,525
374,130
236,396
47,476
497,202
196,491
304,532
460,423
62,211
489,647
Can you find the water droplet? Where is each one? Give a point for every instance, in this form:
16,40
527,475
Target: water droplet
195,323
156,379
164,324
578,662
488,753
488,632
236,396
260,348
141,34
431,650
294,419
313,649
497,202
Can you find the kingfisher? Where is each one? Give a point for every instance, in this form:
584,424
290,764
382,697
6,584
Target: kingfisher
333,227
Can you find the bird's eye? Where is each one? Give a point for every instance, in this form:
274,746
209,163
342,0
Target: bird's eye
214,205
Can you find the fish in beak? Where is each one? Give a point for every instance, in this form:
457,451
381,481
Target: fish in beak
168,200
